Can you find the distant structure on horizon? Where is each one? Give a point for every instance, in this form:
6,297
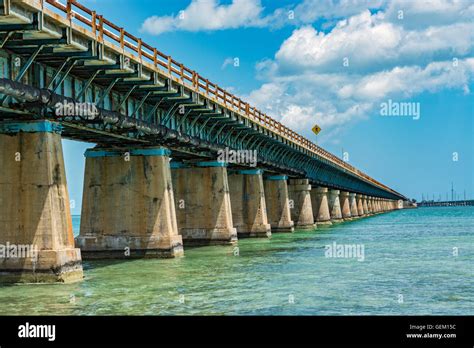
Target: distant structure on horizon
446,203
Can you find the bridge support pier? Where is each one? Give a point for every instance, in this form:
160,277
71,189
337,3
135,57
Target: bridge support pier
345,205
128,205
335,206
278,203
366,208
203,207
247,196
353,205
319,201
301,211
370,208
35,219
360,205
375,204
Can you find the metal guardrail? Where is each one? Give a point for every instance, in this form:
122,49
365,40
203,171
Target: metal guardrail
101,28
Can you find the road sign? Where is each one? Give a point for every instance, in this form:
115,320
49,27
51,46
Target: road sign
316,129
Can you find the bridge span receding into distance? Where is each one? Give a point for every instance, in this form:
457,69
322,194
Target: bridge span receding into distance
153,181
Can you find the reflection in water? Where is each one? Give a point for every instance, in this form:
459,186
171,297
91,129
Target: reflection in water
409,268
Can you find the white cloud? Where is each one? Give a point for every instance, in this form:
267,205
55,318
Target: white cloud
310,10
426,13
332,100
306,82
208,15
369,42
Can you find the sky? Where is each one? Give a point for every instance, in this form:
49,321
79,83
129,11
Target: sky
390,83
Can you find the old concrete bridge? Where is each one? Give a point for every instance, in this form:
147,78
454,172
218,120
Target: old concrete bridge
153,181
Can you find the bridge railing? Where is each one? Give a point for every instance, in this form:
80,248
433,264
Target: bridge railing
101,28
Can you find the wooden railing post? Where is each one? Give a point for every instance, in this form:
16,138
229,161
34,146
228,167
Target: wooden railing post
101,28
169,65
94,25
139,48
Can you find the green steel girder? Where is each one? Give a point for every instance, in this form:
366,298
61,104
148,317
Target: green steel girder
125,98
203,125
183,119
23,71
106,92
153,110
219,132
139,106
87,84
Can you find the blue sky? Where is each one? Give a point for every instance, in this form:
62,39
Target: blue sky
331,63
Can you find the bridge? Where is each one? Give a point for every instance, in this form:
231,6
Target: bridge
154,177
459,203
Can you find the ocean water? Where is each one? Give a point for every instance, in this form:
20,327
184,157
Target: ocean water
418,261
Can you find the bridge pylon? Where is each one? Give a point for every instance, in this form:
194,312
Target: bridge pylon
35,220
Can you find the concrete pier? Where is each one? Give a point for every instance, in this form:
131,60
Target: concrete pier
36,234
300,203
335,206
319,202
203,207
376,205
278,203
128,207
345,205
247,196
364,204
353,205
360,205
369,205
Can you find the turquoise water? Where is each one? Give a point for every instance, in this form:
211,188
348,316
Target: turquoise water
409,267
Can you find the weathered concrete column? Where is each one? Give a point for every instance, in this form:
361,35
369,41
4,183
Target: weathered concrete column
377,205
203,208
319,202
247,196
353,205
369,205
360,205
364,203
345,205
302,209
128,206
389,205
36,237
278,203
335,206
398,204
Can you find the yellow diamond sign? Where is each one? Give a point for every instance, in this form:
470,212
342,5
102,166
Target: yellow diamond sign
316,129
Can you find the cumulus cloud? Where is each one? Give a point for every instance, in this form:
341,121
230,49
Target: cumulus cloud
369,42
208,15
308,82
